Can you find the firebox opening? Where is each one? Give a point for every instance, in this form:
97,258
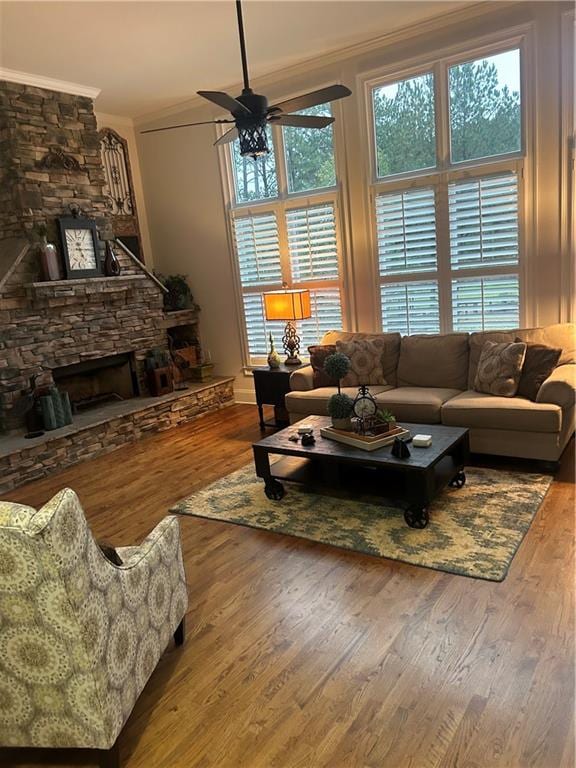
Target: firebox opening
94,382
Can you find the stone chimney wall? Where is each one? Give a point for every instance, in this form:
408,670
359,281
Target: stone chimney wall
37,183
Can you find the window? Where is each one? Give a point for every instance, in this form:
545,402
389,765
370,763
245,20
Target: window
285,230
447,234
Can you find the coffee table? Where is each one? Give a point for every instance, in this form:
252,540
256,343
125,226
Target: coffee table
413,481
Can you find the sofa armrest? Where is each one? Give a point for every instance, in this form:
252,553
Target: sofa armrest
560,387
302,379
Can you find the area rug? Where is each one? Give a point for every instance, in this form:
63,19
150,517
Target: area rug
473,531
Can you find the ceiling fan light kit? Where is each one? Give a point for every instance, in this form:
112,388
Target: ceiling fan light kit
251,114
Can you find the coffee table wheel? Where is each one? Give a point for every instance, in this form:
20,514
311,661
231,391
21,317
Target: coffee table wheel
274,490
417,517
459,480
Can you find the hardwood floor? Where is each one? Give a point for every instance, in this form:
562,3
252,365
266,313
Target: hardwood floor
299,655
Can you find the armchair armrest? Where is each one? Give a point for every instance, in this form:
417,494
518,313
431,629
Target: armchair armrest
302,379
560,387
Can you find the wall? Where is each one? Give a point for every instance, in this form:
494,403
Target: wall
181,175
125,127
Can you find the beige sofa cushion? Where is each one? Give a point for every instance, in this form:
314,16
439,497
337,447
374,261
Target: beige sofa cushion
562,335
439,360
476,342
416,404
314,402
390,350
474,409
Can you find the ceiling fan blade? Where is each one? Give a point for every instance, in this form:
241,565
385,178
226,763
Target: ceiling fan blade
302,121
227,137
186,125
322,96
224,101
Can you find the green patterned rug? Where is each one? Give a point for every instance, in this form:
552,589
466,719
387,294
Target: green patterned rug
474,531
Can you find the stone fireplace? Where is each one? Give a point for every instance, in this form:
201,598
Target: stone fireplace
90,336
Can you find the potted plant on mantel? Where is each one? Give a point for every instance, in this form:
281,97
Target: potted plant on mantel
340,406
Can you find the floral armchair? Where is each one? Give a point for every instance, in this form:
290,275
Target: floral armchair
79,636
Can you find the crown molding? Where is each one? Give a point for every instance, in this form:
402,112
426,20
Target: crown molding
39,81
337,55
106,117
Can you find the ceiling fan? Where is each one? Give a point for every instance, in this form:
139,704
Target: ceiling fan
251,113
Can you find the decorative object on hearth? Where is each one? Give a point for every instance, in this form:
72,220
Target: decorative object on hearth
288,306
340,407
251,114
158,367
202,372
112,266
274,360
336,366
179,295
399,449
57,159
55,409
49,261
79,247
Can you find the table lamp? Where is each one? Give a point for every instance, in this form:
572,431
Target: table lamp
289,306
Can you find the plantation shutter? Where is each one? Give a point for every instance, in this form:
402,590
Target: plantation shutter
406,231
312,243
410,307
484,221
485,303
313,252
258,249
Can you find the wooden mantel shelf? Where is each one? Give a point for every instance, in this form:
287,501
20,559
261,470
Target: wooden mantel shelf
84,281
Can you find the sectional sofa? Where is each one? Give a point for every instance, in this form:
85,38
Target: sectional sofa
430,380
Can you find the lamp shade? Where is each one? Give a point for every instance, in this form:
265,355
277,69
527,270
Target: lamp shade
287,305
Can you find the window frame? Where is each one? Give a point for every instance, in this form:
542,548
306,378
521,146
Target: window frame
280,204
445,172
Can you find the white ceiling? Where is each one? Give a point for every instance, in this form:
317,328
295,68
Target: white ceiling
146,56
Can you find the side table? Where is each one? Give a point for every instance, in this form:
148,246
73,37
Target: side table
271,385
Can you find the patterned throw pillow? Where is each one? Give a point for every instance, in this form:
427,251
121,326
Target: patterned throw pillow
499,368
366,361
318,355
539,363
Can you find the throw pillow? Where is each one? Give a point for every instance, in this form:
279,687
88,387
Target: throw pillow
499,368
539,363
318,355
365,361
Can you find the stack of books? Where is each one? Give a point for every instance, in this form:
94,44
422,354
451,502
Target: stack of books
365,442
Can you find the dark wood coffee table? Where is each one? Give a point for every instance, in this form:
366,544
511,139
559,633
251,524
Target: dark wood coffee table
413,481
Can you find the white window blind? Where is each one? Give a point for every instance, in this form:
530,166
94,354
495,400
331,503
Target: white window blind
326,316
485,303
406,231
258,249
484,221
312,243
258,328
410,307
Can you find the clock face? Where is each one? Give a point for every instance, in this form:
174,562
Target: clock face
364,404
80,245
